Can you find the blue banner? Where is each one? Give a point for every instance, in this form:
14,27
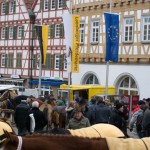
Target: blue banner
112,36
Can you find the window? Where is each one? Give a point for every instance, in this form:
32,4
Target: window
146,29
19,60
10,60
3,8
127,86
94,31
53,4
11,33
90,79
45,4
20,32
65,62
3,33
81,32
60,3
128,30
57,62
11,7
3,60
57,31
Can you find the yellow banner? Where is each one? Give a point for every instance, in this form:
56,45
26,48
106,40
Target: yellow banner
45,42
75,43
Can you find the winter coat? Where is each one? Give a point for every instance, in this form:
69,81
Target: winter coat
21,114
40,119
77,124
102,113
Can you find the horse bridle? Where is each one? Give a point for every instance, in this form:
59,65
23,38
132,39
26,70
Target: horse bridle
19,147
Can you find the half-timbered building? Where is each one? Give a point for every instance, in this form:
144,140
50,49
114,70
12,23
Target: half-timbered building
131,74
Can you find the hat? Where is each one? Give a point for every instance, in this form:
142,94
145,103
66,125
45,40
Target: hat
119,105
35,104
77,109
82,102
141,102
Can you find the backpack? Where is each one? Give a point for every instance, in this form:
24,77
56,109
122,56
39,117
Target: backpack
139,122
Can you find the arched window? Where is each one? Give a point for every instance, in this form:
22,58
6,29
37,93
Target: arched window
90,79
127,85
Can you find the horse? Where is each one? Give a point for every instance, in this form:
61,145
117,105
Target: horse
8,94
61,142
50,142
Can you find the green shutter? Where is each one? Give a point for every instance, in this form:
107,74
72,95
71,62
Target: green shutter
6,32
6,58
64,4
14,7
22,32
51,62
14,32
61,62
52,30
61,30
18,61
56,3
6,8
33,32
49,4
34,60
10,60
41,5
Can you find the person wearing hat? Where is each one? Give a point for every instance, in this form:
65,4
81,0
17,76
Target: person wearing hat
117,118
37,118
78,121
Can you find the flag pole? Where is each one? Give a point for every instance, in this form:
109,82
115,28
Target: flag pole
107,63
40,63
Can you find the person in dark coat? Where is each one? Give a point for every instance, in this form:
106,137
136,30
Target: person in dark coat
39,118
20,117
102,112
117,117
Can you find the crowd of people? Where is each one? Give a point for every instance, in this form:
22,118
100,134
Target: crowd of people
81,113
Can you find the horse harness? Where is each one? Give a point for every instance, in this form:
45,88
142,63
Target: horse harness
19,147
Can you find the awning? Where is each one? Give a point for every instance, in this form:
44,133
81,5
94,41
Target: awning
48,82
12,80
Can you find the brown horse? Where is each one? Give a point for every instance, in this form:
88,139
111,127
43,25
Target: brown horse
8,94
50,142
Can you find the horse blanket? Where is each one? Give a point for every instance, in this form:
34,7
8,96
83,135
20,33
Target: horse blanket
98,130
128,144
4,126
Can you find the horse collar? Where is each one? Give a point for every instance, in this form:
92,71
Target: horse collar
19,143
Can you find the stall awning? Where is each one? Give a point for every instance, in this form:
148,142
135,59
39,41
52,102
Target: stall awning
12,80
48,82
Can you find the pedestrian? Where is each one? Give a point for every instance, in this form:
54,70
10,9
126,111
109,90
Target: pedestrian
36,117
117,118
102,112
137,118
78,121
20,117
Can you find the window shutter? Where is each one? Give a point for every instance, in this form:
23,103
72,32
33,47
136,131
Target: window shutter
41,5
22,32
34,60
64,4
56,3
6,57
33,32
6,32
52,30
49,4
61,30
14,7
60,62
51,62
14,32
6,8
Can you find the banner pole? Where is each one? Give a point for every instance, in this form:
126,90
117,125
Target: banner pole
107,63
40,63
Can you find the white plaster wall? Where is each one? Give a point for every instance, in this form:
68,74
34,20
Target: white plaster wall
140,73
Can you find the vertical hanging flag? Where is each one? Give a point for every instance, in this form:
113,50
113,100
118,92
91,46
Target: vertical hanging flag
112,36
72,40
42,32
